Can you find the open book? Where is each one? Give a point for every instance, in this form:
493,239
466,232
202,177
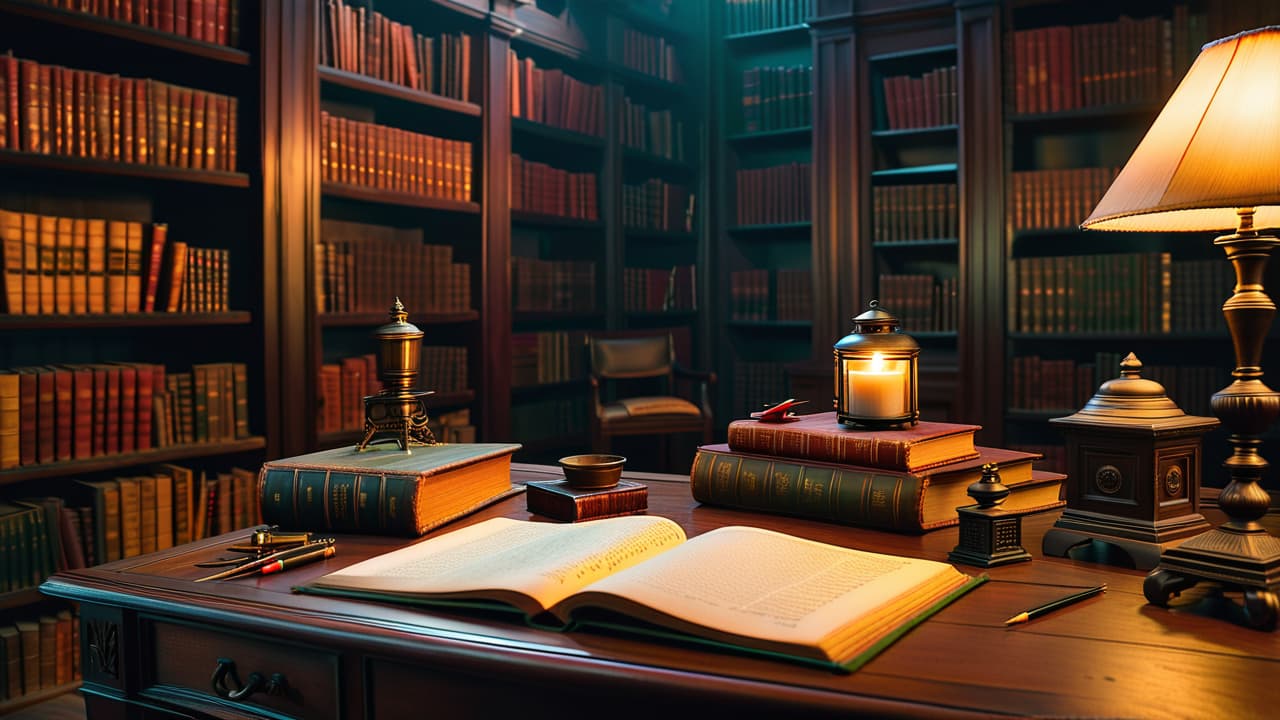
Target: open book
752,589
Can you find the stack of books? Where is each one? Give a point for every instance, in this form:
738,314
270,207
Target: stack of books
909,480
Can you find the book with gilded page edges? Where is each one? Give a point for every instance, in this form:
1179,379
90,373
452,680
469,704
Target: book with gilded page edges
741,588
384,490
867,497
821,437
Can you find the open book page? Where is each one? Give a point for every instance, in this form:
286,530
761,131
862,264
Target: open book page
527,564
775,592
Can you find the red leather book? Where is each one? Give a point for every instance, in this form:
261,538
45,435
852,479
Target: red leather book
128,408
111,421
142,408
81,419
47,450
821,437
99,435
28,416
159,234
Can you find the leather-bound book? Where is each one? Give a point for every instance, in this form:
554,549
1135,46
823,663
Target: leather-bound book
561,501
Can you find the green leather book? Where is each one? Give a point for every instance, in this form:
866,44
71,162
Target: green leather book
383,490
741,588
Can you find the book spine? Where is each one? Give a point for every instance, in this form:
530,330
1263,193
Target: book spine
882,500
782,441
320,500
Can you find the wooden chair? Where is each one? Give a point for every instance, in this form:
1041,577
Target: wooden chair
638,388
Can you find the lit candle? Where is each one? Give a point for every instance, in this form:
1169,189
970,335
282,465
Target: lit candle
878,391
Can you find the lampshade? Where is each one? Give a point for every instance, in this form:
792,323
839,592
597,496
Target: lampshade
1214,148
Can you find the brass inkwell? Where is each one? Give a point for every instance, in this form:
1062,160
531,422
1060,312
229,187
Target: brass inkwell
398,412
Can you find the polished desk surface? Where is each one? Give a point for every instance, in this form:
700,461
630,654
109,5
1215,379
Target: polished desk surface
1110,656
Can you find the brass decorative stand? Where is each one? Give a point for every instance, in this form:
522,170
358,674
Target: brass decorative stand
1240,554
989,536
398,412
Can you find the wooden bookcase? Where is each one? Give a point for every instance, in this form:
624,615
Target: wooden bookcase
220,209
762,75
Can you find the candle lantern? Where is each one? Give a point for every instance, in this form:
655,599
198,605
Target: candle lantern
875,373
398,412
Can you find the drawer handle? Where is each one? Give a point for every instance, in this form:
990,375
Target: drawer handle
226,670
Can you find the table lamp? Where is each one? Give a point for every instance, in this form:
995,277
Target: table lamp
1211,161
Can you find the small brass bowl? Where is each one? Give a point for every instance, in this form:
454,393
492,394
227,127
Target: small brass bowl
592,471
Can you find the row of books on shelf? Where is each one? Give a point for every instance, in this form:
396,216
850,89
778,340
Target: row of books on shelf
211,21
53,413
342,385
551,96
376,156
358,264
762,294
930,100
742,16
671,289
1127,60
98,521
555,356
757,384
91,266
48,109
541,188
777,194
1065,385
362,40
539,285
1123,292
657,132
902,213
550,419
39,650
906,480
1057,198
922,302
776,97
651,54
658,205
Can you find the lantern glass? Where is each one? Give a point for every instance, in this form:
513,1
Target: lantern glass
875,373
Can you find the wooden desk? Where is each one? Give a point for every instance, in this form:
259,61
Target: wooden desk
152,640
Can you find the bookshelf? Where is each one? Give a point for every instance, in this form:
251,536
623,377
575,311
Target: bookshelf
763,72
1077,302
137,303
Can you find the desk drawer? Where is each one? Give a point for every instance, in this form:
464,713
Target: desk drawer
184,658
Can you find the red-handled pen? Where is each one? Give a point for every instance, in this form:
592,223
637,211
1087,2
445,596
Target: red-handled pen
325,551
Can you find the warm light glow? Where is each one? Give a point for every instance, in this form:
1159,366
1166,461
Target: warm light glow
1214,148
879,390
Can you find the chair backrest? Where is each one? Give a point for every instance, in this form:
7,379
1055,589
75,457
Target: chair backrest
631,357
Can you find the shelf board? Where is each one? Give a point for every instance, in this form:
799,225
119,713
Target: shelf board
127,31
120,460
522,217
374,319
68,163
37,697
1113,335
391,197
537,316
771,324
760,137
19,598
628,76
1097,113
661,314
916,170
909,244
131,320
542,131
775,34
374,86
913,53
670,235
912,133
655,161
758,230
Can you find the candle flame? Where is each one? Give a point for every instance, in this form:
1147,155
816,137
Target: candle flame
877,362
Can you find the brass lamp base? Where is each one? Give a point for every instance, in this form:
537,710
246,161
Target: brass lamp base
400,416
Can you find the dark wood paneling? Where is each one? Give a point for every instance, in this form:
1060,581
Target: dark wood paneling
495,274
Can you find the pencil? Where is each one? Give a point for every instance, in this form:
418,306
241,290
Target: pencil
254,565
1049,607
